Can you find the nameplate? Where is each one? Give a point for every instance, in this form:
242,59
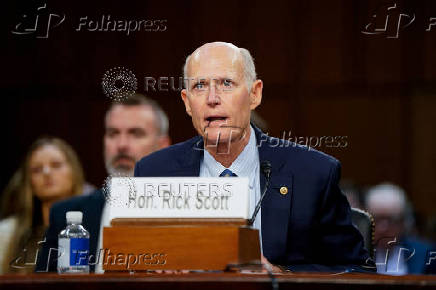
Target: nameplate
180,197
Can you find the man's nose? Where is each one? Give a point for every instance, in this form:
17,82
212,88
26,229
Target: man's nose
123,143
213,98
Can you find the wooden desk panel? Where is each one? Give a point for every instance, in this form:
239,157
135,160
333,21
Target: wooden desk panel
202,281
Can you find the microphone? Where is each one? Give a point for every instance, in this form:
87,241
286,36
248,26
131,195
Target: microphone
265,167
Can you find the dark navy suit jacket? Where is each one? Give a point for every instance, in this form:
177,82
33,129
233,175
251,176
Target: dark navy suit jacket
308,229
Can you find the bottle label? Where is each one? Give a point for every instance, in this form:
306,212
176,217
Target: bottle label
73,252
79,252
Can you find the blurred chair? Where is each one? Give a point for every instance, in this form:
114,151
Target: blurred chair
364,222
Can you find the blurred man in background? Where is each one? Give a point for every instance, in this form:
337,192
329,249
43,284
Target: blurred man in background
398,251
134,128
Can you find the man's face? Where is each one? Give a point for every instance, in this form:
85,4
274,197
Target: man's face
217,97
130,134
388,216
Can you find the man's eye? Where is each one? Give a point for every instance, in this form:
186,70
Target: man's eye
111,134
227,83
138,134
199,86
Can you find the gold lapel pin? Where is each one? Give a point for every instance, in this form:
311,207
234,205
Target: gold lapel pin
283,190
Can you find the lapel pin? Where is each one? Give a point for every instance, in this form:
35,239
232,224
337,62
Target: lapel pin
283,190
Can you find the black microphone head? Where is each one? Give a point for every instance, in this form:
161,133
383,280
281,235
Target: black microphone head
265,167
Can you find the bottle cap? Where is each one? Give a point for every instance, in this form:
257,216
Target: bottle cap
74,217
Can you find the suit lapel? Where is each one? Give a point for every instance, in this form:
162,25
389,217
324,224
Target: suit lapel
189,162
276,204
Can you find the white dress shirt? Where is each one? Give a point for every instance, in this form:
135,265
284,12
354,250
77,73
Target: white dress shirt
246,165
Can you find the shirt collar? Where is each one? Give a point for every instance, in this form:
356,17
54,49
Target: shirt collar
244,164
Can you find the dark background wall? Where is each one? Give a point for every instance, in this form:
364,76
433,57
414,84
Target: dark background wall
322,77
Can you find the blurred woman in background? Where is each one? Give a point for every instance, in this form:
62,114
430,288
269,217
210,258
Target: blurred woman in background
50,172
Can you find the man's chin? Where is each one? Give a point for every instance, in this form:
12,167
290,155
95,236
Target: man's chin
220,135
121,171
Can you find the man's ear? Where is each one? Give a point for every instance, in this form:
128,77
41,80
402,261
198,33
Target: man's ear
184,96
256,94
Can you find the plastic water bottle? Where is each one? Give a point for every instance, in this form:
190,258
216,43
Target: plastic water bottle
73,243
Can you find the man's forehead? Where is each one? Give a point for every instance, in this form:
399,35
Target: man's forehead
225,55
130,115
219,49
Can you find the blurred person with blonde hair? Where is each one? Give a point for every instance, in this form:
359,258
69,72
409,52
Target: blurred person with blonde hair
50,172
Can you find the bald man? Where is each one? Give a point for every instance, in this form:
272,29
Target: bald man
304,220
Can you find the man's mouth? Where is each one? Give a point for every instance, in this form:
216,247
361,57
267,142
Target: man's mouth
123,159
216,121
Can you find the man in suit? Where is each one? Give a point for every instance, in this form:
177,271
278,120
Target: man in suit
134,128
398,250
304,221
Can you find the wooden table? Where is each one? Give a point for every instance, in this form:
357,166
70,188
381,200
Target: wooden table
208,281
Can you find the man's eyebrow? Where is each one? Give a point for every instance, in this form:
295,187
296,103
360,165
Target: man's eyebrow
111,129
224,78
220,78
133,129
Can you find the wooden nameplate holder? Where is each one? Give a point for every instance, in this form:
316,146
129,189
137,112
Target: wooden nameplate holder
178,244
